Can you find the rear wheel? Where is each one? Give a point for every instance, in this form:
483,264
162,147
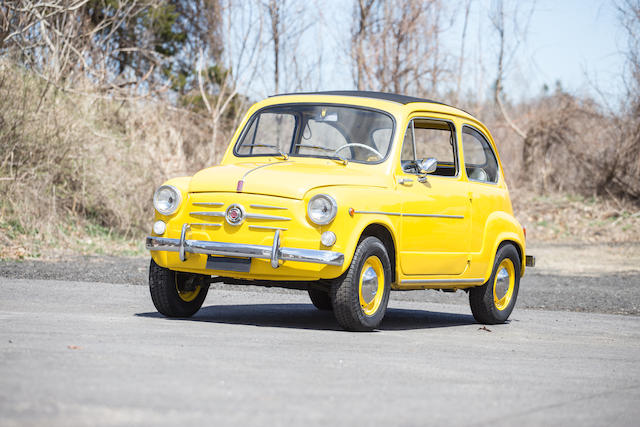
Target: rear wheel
320,299
493,302
176,294
361,295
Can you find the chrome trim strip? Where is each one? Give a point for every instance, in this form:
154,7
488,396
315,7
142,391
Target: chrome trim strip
154,243
412,215
208,204
206,224
266,227
268,207
378,213
430,281
264,216
435,216
262,166
218,214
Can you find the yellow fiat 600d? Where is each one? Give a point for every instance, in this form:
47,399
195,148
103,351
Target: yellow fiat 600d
347,195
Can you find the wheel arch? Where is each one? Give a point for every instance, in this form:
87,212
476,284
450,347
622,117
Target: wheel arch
387,238
503,241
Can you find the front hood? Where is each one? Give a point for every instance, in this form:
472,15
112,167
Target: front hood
284,179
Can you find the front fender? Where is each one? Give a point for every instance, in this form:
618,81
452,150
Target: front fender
347,226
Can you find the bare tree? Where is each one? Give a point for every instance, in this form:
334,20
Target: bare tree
289,22
236,67
395,45
459,73
113,45
497,16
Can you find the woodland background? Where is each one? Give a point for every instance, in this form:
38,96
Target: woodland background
101,100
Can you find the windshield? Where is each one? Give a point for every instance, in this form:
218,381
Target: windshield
346,133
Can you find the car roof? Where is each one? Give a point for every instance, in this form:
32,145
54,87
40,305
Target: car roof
393,97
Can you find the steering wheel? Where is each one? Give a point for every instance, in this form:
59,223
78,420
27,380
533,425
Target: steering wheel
355,144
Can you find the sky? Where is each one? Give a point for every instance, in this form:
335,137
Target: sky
577,42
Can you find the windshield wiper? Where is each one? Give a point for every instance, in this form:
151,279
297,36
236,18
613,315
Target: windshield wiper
336,156
317,147
275,147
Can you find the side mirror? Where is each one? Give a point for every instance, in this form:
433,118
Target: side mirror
428,165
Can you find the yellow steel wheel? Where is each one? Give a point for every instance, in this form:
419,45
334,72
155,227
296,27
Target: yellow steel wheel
186,295
504,284
371,285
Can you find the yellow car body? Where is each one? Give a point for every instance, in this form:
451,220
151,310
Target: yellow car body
452,246
348,195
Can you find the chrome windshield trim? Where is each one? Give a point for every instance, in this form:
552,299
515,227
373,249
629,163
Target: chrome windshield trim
268,207
431,281
266,227
208,204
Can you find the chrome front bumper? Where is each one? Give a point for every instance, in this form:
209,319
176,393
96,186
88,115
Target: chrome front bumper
275,253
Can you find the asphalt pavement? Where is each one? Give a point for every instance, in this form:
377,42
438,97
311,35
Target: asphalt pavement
81,353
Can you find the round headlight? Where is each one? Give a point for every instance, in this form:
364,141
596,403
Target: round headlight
167,199
322,209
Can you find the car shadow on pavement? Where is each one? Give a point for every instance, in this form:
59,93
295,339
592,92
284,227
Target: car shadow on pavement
306,316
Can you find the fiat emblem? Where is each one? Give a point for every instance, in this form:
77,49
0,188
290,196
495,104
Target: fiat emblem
235,214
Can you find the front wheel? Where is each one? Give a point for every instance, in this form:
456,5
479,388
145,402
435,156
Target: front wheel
176,294
361,295
493,302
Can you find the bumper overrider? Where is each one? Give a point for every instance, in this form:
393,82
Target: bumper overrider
275,252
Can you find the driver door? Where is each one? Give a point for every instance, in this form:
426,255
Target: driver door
436,213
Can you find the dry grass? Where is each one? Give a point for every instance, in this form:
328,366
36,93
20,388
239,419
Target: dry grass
77,173
71,163
567,218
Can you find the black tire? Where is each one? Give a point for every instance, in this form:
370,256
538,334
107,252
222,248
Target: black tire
481,298
164,285
345,291
320,299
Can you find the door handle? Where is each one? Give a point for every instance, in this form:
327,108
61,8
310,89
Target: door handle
405,181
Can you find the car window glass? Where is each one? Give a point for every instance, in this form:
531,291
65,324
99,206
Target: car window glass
479,160
269,130
381,137
316,130
321,134
432,139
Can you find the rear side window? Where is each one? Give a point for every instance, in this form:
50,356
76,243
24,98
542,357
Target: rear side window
479,158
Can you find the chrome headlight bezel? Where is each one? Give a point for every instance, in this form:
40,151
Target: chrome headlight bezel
173,205
329,216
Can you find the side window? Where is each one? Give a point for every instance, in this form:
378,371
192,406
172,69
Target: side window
479,159
433,138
